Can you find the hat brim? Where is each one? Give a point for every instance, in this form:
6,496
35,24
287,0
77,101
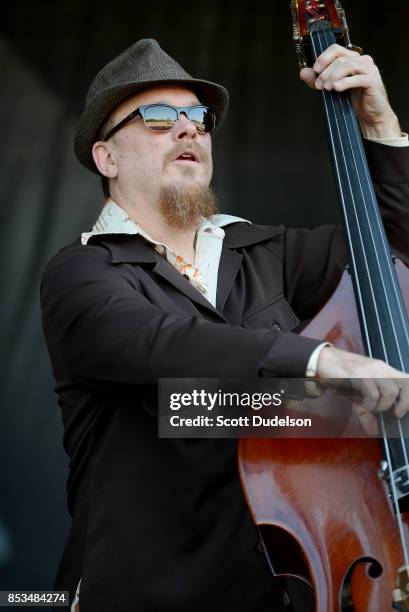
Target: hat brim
211,94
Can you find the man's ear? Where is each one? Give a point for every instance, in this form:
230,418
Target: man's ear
104,159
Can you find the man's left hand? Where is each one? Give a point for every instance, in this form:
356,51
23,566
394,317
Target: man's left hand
340,69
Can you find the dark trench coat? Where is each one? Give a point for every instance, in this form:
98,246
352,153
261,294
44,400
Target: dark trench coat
161,524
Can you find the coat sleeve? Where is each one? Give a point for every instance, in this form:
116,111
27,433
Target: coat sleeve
103,331
315,259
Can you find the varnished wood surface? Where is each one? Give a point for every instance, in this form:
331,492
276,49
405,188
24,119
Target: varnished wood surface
326,493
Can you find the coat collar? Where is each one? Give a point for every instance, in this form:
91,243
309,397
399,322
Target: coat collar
126,248
135,249
241,234
238,235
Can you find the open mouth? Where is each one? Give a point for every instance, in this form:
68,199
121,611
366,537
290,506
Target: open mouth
187,157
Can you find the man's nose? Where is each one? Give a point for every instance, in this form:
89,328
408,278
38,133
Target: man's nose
184,128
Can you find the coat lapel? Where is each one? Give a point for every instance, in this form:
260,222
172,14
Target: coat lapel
164,269
134,249
230,262
237,236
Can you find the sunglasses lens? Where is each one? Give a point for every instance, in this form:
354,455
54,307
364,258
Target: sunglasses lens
203,118
160,118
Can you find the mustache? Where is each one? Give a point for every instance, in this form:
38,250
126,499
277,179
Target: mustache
194,147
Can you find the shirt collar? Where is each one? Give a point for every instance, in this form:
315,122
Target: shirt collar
115,220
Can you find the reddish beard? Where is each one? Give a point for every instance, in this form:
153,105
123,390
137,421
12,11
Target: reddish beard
183,205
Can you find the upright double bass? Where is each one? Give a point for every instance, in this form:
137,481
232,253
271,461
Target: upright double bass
333,514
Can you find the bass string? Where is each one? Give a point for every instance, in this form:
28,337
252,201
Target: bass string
346,219
384,243
397,421
342,100
401,313
387,258
386,441
395,288
376,247
346,111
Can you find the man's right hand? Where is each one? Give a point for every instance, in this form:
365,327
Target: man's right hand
385,385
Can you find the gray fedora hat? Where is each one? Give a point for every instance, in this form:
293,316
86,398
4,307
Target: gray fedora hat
140,66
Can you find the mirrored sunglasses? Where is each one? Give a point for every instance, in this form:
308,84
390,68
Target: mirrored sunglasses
163,117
